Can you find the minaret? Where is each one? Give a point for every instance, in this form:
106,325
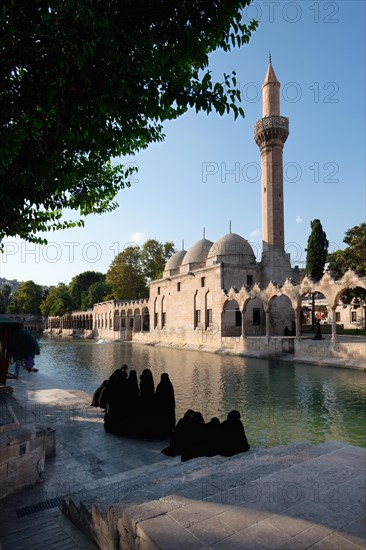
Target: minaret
270,134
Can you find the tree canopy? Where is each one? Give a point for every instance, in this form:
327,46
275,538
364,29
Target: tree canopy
81,284
125,275
132,269
57,301
317,251
83,83
97,292
26,299
154,256
353,256
5,292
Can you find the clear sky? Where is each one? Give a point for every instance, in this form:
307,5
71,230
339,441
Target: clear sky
207,172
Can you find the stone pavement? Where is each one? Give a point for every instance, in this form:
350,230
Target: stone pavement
84,453
125,494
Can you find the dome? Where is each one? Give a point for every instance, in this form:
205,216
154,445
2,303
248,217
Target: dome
197,254
174,262
231,249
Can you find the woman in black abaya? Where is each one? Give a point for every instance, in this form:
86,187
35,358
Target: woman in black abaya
164,407
132,400
180,437
114,417
233,438
146,404
195,440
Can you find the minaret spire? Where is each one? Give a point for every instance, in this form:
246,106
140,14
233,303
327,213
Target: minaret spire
270,58
270,135
271,93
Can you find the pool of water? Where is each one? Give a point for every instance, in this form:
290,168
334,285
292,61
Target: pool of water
280,402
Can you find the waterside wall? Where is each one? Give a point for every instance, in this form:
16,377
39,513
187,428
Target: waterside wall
347,351
23,449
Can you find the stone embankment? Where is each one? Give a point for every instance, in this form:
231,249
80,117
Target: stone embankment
283,497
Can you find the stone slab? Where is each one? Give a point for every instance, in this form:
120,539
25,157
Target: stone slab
269,520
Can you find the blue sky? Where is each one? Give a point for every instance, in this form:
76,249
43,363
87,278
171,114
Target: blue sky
206,172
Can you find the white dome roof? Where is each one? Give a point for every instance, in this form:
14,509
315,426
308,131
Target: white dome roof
175,261
198,252
231,249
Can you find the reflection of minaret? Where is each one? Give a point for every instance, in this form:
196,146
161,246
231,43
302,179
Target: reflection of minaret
270,134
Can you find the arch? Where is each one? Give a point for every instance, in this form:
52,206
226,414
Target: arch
145,319
197,312
156,314
281,315
137,325
116,320
163,312
350,308
130,320
231,319
254,319
208,310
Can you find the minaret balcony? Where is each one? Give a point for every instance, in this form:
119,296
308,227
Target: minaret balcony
271,128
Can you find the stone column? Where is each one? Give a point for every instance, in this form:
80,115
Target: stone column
268,324
298,322
334,324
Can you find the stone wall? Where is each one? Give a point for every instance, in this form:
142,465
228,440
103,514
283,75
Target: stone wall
352,350
22,451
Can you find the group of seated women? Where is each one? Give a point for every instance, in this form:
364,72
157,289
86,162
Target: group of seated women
137,409
192,437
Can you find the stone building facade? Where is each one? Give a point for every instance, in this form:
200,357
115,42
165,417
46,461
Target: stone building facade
31,322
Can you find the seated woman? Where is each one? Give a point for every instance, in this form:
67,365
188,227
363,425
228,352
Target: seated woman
233,438
212,437
114,415
179,439
195,438
97,393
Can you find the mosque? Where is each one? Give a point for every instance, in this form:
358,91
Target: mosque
188,300
216,295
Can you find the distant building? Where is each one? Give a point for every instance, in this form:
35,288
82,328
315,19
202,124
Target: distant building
31,322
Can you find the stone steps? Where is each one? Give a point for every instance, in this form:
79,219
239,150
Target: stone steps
169,483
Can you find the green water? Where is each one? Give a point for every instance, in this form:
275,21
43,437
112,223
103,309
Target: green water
280,402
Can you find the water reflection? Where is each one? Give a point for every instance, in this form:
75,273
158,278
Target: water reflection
279,402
